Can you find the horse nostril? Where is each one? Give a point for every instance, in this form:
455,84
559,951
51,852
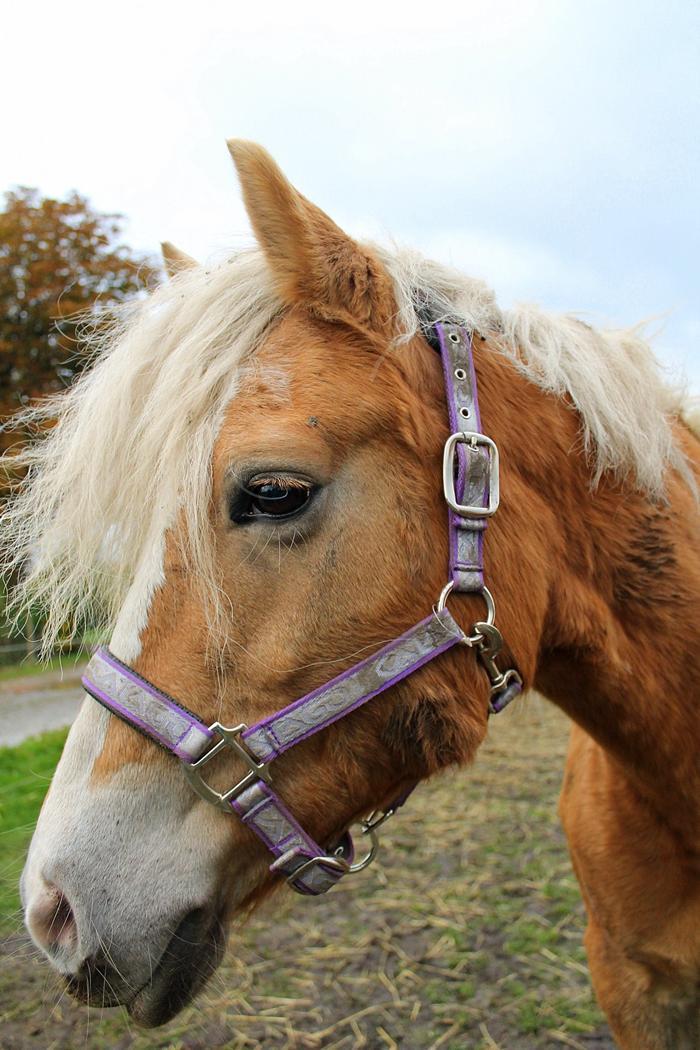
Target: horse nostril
51,922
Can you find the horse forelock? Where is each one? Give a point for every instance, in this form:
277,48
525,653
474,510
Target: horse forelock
132,446
134,438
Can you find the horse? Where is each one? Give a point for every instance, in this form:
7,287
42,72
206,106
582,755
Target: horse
248,487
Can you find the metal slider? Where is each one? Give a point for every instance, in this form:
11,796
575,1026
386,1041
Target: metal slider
230,739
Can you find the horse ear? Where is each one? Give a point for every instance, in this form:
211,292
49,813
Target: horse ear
175,260
312,259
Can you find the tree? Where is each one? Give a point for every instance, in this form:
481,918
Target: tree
58,259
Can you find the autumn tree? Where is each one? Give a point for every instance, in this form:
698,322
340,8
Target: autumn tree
58,260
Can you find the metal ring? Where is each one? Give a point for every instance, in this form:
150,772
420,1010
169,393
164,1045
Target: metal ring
472,639
464,412
454,337
460,373
360,865
444,595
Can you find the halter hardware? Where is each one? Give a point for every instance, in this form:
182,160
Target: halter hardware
377,819
337,862
476,637
504,685
473,442
471,489
230,738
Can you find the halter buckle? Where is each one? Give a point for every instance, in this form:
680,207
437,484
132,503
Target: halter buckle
230,738
338,863
473,440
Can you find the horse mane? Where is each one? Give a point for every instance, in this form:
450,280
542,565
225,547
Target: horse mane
128,446
611,377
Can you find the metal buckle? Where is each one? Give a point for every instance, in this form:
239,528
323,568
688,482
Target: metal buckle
474,440
230,738
339,863
336,863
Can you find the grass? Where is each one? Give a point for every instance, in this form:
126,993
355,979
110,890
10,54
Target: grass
24,775
465,935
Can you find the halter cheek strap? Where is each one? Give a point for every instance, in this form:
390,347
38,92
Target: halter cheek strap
468,481
470,476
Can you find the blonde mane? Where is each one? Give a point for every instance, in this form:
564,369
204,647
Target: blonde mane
611,376
135,433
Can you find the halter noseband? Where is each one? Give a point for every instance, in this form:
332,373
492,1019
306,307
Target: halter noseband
470,479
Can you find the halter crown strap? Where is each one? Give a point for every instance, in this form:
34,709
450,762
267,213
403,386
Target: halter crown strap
471,485
472,491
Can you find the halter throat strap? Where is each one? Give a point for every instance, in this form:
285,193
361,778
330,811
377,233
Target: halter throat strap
470,477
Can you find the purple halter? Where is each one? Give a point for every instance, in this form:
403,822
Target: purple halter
470,477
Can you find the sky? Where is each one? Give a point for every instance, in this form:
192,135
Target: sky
551,148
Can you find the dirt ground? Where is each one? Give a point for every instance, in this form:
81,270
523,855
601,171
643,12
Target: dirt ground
465,935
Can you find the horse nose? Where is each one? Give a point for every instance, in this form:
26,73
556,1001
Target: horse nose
51,922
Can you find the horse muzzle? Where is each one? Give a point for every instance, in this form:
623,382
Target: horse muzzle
192,952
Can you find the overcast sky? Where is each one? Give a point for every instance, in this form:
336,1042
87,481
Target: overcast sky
552,148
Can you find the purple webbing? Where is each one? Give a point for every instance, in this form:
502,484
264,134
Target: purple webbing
148,687
451,398
147,708
263,811
150,710
325,705
465,534
138,702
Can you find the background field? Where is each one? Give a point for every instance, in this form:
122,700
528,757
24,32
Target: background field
466,935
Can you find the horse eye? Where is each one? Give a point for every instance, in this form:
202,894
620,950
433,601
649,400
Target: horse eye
272,498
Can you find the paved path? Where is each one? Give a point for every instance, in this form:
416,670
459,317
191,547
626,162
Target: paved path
36,703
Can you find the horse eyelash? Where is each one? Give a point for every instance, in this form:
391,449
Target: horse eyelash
285,480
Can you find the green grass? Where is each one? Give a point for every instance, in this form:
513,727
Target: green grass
25,772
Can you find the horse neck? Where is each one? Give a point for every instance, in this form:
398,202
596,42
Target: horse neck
599,590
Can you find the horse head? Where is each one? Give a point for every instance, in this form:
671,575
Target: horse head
280,500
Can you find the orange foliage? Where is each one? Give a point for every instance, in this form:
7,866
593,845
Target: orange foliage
58,259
